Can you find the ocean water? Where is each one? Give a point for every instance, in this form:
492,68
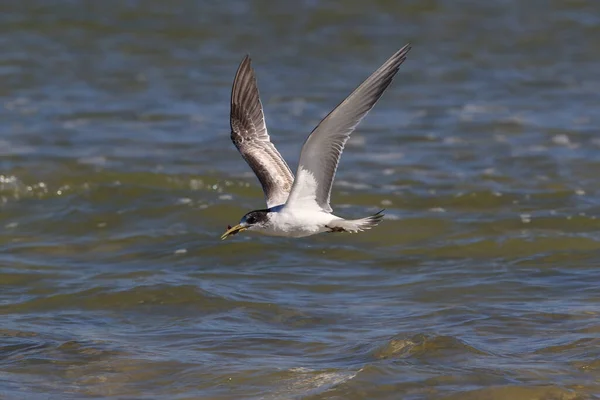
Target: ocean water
117,177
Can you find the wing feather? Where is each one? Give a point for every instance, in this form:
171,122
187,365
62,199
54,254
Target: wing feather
249,134
322,150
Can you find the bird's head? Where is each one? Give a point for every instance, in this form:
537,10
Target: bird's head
253,220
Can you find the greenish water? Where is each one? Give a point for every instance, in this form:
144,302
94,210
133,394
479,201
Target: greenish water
117,177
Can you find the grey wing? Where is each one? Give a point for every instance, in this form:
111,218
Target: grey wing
249,134
322,150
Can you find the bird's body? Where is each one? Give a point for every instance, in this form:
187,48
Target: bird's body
296,223
299,207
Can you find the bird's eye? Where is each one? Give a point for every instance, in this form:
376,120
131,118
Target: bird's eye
251,220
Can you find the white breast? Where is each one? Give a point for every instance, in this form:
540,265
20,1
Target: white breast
297,223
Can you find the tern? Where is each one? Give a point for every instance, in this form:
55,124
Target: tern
300,207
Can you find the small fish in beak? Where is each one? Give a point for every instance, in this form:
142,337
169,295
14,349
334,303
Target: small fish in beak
232,231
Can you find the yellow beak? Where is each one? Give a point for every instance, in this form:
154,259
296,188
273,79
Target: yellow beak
232,231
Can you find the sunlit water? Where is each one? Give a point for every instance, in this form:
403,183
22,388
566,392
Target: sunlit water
117,177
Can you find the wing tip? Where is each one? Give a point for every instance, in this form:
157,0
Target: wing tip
245,90
245,65
405,49
401,54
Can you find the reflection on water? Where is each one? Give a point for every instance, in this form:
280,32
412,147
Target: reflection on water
117,177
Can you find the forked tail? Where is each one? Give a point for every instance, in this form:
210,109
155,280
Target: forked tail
355,225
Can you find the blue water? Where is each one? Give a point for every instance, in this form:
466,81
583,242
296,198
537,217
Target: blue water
117,178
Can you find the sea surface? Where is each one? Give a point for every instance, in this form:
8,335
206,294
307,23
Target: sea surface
117,177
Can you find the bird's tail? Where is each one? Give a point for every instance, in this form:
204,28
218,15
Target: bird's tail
356,225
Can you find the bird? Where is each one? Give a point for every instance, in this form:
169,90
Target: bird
299,207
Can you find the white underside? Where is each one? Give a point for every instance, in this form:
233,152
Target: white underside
301,222
301,215
297,223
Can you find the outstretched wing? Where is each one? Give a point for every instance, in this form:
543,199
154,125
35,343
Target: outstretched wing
249,134
322,150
